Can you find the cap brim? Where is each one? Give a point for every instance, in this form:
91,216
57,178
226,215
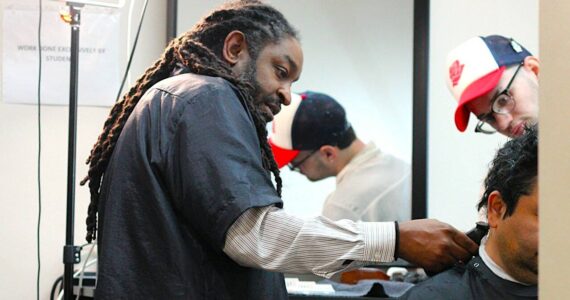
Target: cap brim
282,156
478,88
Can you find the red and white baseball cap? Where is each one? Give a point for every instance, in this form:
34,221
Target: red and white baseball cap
309,122
475,67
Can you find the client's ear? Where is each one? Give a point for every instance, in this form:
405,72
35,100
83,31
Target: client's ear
496,209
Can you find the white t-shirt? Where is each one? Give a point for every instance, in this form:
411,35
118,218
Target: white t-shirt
373,187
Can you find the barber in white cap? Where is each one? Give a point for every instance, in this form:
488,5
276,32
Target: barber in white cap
313,136
496,79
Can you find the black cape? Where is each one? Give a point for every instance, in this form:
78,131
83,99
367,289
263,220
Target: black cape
474,281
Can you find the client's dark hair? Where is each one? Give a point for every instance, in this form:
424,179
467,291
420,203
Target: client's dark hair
513,171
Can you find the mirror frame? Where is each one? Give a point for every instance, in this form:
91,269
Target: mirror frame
420,98
420,102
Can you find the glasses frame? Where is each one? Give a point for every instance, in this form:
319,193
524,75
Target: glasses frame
296,166
479,127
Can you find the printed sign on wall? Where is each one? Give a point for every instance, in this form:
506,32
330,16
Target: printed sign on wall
98,56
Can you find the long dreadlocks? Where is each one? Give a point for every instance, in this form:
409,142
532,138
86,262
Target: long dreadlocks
199,51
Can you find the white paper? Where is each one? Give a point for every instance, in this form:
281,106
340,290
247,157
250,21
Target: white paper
98,56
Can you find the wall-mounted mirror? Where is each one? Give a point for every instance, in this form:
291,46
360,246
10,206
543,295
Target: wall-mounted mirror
361,54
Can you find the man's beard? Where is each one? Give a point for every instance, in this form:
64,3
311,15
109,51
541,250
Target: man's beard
249,76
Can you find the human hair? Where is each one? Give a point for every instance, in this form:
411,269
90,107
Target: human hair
346,138
513,171
198,51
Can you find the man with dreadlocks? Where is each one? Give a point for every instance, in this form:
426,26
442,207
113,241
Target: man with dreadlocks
180,177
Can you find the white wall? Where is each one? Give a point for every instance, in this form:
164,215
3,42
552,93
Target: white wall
359,52
458,162
18,162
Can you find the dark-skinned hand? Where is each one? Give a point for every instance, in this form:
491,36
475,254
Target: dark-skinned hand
434,245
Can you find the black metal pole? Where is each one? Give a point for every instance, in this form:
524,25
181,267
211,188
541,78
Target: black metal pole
420,119
71,252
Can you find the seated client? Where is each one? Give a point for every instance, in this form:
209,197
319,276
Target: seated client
507,265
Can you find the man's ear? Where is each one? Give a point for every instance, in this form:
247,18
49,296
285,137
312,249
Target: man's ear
235,47
532,63
330,153
496,209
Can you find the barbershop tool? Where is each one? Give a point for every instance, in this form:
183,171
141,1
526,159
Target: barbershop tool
476,234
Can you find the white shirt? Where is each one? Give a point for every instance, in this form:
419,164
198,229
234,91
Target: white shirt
373,186
492,265
271,239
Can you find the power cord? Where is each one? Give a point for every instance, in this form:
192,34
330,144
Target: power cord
39,149
58,283
89,263
129,32
86,263
82,271
132,51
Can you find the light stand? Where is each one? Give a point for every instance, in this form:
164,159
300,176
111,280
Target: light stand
72,253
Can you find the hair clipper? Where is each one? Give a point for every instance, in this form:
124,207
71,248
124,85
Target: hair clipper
476,234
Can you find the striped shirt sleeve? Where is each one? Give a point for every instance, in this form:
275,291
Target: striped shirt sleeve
271,239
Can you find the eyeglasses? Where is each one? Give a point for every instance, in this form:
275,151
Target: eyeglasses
296,166
502,104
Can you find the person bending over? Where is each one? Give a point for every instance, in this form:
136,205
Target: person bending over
496,79
313,136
